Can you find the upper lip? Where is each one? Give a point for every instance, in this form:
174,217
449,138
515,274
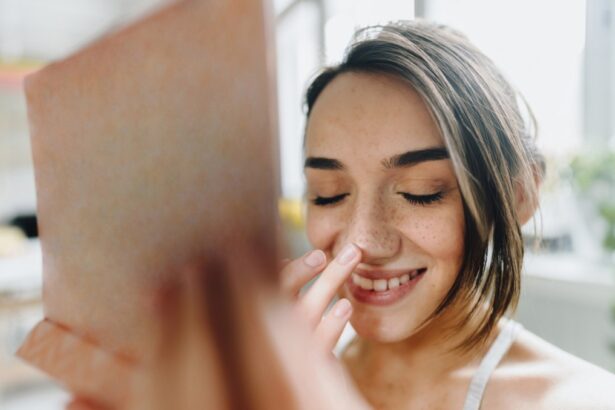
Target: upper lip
383,273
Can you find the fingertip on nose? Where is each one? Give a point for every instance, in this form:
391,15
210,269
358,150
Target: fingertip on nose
348,253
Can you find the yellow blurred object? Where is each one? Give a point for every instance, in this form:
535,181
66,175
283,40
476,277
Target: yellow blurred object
12,75
291,212
12,241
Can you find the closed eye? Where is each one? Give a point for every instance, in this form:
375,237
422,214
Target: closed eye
328,200
413,199
421,199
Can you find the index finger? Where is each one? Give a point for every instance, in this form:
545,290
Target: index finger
318,297
297,273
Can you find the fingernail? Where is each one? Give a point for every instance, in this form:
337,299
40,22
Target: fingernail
315,258
343,308
347,254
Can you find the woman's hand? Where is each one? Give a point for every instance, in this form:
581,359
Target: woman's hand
312,305
281,366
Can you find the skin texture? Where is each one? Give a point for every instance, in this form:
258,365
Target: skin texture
374,118
360,119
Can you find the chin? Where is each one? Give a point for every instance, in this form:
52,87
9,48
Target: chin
381,331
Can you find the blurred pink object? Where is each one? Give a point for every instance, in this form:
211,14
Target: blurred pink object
152,147
77,362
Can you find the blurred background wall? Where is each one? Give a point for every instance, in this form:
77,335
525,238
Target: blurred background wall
561,56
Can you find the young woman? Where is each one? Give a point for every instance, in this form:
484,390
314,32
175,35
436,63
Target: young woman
421,167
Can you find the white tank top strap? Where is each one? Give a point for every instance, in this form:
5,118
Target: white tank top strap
495,354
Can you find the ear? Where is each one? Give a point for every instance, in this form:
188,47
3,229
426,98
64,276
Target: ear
526,203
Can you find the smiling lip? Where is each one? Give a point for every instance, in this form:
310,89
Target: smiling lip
388,274
387,297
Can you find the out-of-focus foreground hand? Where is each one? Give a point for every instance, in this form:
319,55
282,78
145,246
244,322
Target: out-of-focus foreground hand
230,340
295,274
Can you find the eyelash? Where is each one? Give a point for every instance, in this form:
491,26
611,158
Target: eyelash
330,200
422,200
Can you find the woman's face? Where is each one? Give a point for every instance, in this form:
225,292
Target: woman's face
378,176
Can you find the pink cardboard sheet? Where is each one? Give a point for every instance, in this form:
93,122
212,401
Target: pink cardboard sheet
152,147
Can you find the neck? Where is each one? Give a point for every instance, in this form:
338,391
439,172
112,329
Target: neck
429,353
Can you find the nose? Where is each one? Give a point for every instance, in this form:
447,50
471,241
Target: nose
370,227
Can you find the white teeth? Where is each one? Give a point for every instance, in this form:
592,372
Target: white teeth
380,285
365,283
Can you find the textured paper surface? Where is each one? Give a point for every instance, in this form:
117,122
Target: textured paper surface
151,147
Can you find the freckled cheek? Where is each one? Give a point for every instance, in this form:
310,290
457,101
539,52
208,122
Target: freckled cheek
440,236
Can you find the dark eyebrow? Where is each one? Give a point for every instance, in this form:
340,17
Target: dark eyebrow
407,159
410,158
323,163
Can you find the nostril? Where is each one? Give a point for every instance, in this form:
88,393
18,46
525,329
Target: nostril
376,238
378,248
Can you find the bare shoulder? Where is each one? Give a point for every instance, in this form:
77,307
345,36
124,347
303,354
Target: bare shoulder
589,388
543,376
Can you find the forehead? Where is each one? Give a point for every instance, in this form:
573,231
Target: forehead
369,114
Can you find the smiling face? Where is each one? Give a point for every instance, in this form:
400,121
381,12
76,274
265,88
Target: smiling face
378,175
